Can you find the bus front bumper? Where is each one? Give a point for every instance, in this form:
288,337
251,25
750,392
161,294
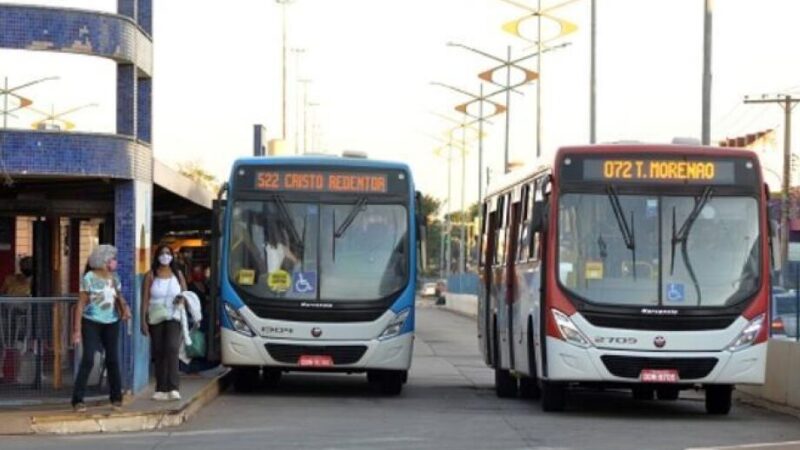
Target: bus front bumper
569,363
359,355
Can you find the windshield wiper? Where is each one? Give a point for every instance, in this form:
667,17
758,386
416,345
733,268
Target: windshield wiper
360,205
283,211
628,232
682,236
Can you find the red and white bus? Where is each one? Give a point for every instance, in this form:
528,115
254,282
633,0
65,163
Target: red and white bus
644,267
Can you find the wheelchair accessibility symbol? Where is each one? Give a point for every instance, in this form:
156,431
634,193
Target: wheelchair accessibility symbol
675,292
304,282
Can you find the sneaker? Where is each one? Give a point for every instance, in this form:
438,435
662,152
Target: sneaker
160,396
79,407
174,395
116,406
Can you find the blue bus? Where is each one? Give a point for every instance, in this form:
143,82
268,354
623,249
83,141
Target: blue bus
317,268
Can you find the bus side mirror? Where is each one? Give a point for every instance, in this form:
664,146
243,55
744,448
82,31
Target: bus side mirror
422,240
775,246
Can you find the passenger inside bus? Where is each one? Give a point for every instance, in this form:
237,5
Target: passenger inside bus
277,247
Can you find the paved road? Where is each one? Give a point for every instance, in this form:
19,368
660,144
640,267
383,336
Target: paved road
448,404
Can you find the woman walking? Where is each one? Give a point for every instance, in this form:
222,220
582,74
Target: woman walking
162,287
96,323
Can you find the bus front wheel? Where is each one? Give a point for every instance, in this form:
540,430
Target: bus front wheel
718,398
245,379
554,396
389,382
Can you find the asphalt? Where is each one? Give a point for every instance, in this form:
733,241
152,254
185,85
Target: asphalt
449,403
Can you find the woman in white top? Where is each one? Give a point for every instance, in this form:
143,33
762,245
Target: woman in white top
161,288
277,249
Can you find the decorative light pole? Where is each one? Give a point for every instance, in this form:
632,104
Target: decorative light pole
6,91
565,28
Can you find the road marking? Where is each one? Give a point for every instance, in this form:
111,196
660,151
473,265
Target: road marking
786,445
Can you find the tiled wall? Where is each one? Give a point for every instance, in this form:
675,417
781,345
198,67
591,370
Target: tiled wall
89,154
126,156
75,31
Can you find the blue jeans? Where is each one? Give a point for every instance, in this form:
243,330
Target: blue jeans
99,336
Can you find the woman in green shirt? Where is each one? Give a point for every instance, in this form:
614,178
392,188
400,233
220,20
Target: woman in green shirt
96,323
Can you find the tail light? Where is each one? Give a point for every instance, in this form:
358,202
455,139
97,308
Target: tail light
778,327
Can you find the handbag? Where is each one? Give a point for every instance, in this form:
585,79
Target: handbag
197,349
157,313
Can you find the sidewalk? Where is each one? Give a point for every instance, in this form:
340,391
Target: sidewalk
139,413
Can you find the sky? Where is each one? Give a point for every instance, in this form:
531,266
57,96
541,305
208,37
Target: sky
371,62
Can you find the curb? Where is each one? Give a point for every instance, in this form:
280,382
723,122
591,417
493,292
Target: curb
115,423
751,400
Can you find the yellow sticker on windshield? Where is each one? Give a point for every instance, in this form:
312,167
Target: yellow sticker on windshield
246,277
279,281
594,270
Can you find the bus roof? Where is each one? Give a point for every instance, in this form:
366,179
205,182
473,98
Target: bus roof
331,161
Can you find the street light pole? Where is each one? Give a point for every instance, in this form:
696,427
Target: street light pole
297,52
463,247
593,76
787,103
539,81
283,4
706,119
508,111
305,82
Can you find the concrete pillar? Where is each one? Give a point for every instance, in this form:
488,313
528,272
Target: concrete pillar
133,212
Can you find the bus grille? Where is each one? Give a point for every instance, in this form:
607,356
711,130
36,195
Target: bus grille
631,366
341,354
659,323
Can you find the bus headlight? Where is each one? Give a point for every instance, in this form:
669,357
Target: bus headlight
394,327
238,322
748,335
569,331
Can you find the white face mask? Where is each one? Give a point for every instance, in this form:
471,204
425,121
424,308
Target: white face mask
165,259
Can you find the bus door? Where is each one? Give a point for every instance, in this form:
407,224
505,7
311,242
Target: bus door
487,253
214,297
509,273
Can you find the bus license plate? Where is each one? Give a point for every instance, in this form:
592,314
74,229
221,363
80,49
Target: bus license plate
658,376
315,361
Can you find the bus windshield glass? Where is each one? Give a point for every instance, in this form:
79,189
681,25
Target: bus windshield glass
307,251
665,250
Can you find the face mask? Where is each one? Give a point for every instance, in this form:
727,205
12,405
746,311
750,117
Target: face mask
165,259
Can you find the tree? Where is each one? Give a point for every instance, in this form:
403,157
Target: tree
195,172
430,206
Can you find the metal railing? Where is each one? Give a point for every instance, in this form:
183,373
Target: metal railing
37,358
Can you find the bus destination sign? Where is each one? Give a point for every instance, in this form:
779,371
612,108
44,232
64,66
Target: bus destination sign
316,181
657,170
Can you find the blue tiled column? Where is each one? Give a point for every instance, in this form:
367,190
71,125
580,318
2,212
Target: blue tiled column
144,109
133,206
145,15
126,99
128,8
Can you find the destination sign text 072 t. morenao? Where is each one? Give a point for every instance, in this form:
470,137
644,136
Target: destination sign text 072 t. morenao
659,170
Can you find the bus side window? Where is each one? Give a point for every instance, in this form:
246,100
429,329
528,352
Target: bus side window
482,235
537,216
524,225
502,223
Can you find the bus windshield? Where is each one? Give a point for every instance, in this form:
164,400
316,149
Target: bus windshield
665,250
318,251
